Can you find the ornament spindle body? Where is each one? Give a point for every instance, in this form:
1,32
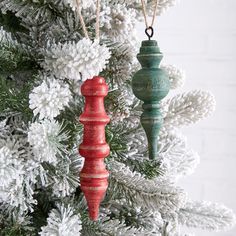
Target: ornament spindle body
151,84
93,176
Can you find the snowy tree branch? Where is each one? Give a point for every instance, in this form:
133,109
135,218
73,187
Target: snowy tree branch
206,215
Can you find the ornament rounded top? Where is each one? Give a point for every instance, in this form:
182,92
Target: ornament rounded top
156,84
94,87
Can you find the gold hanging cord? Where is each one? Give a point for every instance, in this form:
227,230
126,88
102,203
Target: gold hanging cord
149,27
97,30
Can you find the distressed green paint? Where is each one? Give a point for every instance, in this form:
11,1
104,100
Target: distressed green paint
151,84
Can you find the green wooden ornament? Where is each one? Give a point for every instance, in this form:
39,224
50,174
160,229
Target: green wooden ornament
150,85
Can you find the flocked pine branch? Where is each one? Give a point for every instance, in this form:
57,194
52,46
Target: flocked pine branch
63,179
49,98
20,172
128,145
187,108
62,221
176,76
122,21
6,38
47,140
12,225
26,9
53,18
119,103
107,226
176,158
115,227
84,4
163,5
148,222
69,60
14,57
18,176
142,192
206,215
14,98
120,68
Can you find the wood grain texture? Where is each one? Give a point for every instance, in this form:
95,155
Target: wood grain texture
151,84
94,176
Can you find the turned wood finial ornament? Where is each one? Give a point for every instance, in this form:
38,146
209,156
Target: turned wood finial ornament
151,84
94,176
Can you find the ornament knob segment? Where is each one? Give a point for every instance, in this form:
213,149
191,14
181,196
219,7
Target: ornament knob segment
94,176
150,85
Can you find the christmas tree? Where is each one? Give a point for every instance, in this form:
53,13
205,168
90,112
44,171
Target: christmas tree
44,59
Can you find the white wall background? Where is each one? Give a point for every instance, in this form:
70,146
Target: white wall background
200,37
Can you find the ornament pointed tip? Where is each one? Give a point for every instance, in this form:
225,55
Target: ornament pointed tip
94,212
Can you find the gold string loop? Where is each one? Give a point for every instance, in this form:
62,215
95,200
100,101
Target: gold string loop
149,31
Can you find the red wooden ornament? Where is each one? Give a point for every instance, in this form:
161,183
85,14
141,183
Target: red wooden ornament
94,176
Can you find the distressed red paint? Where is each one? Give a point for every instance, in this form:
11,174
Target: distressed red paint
94,176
